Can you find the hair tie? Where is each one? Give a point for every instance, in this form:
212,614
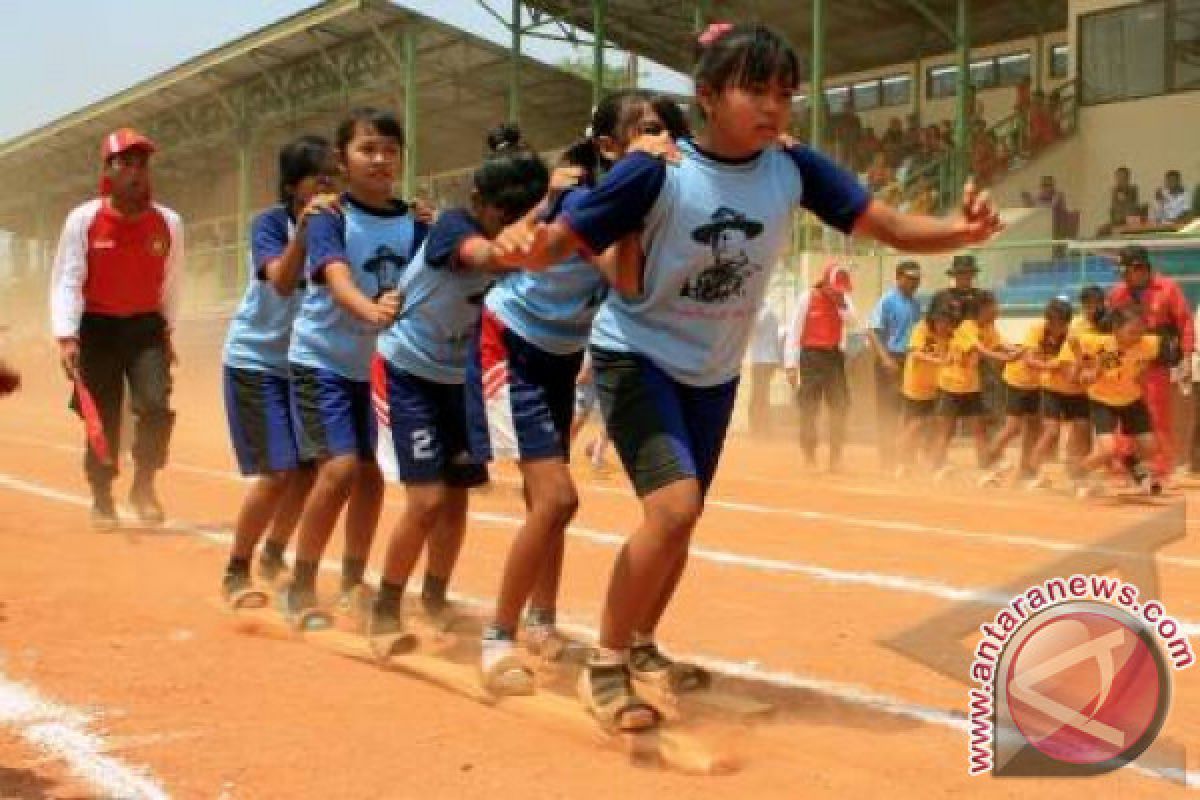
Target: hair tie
714,33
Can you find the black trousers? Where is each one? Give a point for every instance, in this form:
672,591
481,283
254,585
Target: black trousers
823,377
114,351
889,405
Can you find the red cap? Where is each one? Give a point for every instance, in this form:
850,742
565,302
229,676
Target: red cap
836,277
123,139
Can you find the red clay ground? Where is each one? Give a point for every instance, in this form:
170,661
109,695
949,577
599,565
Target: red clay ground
800,575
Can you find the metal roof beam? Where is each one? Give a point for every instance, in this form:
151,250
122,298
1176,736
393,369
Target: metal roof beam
939,24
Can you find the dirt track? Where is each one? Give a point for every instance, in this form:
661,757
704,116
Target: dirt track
800,576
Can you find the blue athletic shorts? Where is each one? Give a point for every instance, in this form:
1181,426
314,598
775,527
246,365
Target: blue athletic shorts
332,415
520,398
260,421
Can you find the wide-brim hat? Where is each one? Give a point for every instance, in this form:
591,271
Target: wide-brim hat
725,219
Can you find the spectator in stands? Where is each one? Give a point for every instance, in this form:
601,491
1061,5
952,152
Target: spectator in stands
925,198
983,154
913,138
879,174
1173,202
1165,312
1043,127
892,143
888,331
766,355
868,146
847,130
1048,196
1124,205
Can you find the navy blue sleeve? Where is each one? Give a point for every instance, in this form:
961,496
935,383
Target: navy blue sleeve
268,239
831,192
326,243
447,235
619,205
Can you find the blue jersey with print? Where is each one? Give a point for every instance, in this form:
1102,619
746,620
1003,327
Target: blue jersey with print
894,317
442,303
712,230
260,330
554,309
377,244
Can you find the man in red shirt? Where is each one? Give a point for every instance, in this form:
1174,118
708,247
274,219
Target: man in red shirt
114,297
815,362
1166,313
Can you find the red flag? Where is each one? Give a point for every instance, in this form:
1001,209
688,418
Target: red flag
92,424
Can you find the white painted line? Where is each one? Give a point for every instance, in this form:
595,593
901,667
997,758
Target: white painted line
747,670
61,734
1021,540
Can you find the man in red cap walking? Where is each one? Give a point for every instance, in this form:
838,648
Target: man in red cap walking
1165,312
815,362
114,297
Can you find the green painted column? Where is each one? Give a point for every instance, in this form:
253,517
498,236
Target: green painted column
514,64
961,112
816,94
411,122
703,13
245,166
599,21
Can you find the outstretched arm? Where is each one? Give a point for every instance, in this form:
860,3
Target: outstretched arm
976,222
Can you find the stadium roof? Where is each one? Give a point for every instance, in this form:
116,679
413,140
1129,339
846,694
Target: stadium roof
859,34
307,67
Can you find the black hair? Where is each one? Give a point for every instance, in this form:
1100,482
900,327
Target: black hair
1119,317
946,305
905,266
612,117
982,299
1059,310
379,120
1091,294
303,157
512,177
746,55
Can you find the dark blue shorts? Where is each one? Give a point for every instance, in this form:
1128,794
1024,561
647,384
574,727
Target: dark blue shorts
260,421
332,415
520,398
429,429
663,430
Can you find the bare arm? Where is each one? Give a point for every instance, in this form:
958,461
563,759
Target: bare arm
976,222
283,272
346,294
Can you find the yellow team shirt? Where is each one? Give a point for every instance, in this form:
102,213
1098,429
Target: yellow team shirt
1119,372
1059,380
921,377
1019,374
961,375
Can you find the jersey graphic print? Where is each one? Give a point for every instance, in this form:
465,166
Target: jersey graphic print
386,266
725,280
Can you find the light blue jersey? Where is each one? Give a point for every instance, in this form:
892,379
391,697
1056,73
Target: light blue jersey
552,310
442,304
377,245
259,332
712,231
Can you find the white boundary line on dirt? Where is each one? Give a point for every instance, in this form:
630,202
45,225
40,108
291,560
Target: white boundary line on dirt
851,694
1023,540
61,734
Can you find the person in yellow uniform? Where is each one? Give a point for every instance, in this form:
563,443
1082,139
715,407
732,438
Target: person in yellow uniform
1064,400
1111,367
960,388
927,347
1023,391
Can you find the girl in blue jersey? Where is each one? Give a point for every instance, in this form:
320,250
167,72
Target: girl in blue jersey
355,260
667,361
256,365
521,387
424,362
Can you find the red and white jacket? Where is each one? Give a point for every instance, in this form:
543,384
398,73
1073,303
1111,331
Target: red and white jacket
109,264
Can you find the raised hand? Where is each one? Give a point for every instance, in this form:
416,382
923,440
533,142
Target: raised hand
980,219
